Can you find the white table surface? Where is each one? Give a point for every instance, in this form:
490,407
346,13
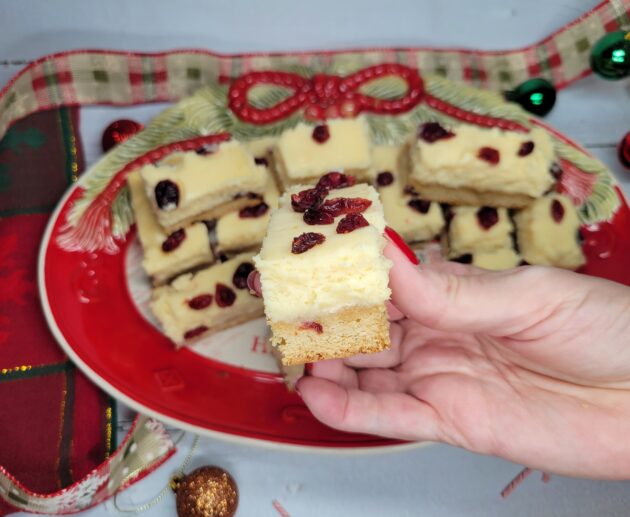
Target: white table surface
432,481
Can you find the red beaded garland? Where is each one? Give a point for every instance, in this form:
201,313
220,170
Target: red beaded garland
324,96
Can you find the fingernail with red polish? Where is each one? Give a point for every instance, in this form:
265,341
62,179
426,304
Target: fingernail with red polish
253,283
401,245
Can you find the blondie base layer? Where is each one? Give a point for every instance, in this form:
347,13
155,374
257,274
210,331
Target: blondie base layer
323,274
361,330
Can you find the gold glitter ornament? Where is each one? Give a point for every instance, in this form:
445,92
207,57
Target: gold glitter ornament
206,492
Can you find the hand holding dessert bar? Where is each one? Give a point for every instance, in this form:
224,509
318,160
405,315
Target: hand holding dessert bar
515,364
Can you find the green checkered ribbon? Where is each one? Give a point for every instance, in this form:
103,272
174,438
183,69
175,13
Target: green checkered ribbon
123,78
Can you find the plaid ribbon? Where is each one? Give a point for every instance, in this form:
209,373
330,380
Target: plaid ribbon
123,78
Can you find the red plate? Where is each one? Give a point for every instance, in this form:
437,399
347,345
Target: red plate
95,303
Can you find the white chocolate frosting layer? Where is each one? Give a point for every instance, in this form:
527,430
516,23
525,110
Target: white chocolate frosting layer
546,241
467,235
454,162
193,250
170,302
412,225
215,177
348,147
346,270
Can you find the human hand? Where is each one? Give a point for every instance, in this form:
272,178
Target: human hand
531,364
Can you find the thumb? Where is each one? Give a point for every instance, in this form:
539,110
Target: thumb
466,299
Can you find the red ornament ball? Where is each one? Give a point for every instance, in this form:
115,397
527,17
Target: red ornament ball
624,150
119,131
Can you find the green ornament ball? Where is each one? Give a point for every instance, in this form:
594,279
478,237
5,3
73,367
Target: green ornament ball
610,56
536,96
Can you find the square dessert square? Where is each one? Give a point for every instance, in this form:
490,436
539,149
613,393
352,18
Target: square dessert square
189,186
166,255
467,165
474,229
548,233
245,229
196,304
306,152
415,219
325,283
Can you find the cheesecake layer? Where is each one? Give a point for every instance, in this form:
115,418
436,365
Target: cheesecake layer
189,185
346,270
196,304
302,156
414,219
548,233
475,161
164,258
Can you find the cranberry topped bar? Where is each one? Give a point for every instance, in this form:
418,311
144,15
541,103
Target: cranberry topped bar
245,229
166,255
212,299
194,186
415,219
482,236
548,233
323,274
305,152
467,165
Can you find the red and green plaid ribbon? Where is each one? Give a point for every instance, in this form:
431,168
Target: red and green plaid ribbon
124,78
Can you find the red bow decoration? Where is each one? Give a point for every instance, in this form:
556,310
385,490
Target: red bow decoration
324,96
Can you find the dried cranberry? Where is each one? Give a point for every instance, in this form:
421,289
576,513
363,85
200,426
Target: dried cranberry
384,178
204,149
248,195
166,195
410,191
174,240
200,302
336,180
351,222
466,258
312,325
432,132
306,241
487,217
557,211
197,331
260,160
489,154
317,216
240,275
224,295
254,211
556,171
321,133
419,205
309,198
345,205
526,148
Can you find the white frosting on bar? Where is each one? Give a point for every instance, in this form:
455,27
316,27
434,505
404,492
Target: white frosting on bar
347,270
